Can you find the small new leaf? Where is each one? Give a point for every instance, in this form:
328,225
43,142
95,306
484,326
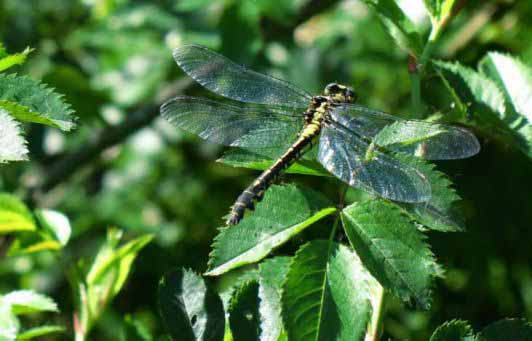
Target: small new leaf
284,212
455,330
326,295
34,102
14,215
28,301
190,309
391,248
14,59
12,144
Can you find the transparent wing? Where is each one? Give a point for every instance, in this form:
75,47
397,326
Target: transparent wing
223,77
230,125
351,159
431,141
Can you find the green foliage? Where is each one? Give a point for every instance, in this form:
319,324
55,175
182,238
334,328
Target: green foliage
190,308
326,294
10,60
453,331
284,212
244,312
391,248
507,329
12,144
14,215
24,302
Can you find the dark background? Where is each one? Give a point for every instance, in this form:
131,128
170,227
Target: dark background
123,166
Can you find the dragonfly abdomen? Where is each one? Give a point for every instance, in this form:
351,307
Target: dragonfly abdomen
255,191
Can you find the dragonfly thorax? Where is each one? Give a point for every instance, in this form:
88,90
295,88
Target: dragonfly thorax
340,93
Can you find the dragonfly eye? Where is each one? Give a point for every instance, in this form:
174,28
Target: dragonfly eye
332,89
350,95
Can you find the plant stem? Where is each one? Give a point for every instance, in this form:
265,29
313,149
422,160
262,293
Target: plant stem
375,325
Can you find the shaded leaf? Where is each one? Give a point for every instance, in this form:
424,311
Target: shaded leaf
135,330
507,329
28,301
56,224
284,212
455,330
244,312
326,295
40,331
190,309
272,274
14,215
391,248
14,59
440,212
12,143
397,25
43,104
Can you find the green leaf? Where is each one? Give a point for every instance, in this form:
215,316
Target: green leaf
507,329
190,309
391,248
326,295
28,301
440,212
397,25
40,331
439,10
14,59
404,133
12,143
515,81
239,157
40,104
135,330
244,312
56,224
9,323
14,215
272,273
455,330
284,212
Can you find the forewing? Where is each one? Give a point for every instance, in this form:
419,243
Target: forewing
431,141
223,77
230,125
348,157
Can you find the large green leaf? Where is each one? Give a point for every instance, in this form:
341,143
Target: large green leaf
191,310
272,273
397,25
455,330
284,212
440,212
34,102
326,295
244,312
14,215
28,301
515,81
507,329
391,248
239,157
12,143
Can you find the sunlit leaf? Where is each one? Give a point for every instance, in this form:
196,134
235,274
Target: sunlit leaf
14,59
397,24
272,273
326,295
28,301
455,330
14,215
43,104
284,212
12,143
9,323
244,312
507,329
191,310
56,223
40,331
439,10
391,248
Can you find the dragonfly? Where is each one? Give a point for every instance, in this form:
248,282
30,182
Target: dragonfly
265,112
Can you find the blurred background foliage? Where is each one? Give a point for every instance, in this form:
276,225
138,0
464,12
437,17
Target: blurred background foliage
123,166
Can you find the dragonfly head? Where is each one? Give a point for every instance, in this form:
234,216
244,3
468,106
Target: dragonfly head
340,93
